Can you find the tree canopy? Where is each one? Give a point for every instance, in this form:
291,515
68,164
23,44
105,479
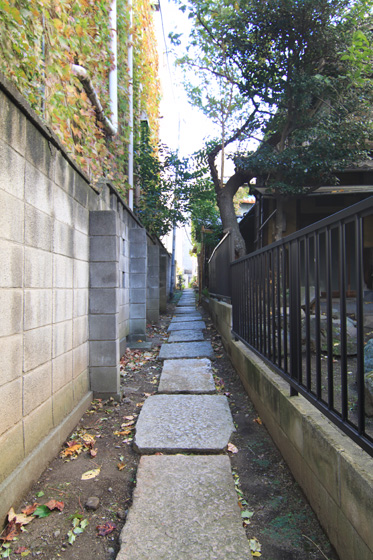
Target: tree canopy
292,63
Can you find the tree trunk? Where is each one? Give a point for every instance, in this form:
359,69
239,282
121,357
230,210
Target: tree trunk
227,212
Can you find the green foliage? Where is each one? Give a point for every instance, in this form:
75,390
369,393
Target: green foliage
293,62
40,40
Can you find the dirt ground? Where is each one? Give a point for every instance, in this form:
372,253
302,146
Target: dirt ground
276,511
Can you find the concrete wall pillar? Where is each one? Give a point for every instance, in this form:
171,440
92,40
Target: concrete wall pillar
163,265
104,304
138,284
152,295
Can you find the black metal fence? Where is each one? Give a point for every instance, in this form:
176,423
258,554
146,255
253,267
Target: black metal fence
219,281
302,304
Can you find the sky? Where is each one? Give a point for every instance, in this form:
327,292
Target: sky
182,127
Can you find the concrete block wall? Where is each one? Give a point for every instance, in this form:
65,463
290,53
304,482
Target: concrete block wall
64,293
153,285
138,266
334,473
44,243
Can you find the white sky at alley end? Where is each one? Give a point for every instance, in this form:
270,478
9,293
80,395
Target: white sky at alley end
182,127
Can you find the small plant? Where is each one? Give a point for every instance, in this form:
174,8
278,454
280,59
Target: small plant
79,525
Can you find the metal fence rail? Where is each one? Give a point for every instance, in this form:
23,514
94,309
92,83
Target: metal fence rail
223,254
300,304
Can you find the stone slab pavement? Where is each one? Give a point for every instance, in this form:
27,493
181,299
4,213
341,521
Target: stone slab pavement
184,423
189,317
174,350
185,336
189,325
187,376
184,508
182,310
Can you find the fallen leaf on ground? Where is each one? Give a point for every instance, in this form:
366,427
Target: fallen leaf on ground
120,466
22,550
71,450
258,421
21,518
232,448
53,504
255,547
106,529
42,511
11,531
29,510
90,474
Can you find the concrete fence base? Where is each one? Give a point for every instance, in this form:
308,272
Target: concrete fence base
334,473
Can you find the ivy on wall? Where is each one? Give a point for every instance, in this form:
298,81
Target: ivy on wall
41,39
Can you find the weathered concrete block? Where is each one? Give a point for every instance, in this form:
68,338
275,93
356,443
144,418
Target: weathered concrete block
104,327
37,347
138,235
103,300
81,188
138,311
81,386
81,218
64,174
81,245
11,217
153,282
63,271
62,206
104,248
63,239
104,275
62,401
103,353
321,457
152,315
356,490
137,295
138,266
38,228
104,222
153,256
62,368
37,387
11,305
80,331
105,380
80,359
137,326
13,124
37,308
80,305
62,305
12,176
11,450
38,190
62,338
11,270
11,404
38,151
11,358
38,268
81,274
137,281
